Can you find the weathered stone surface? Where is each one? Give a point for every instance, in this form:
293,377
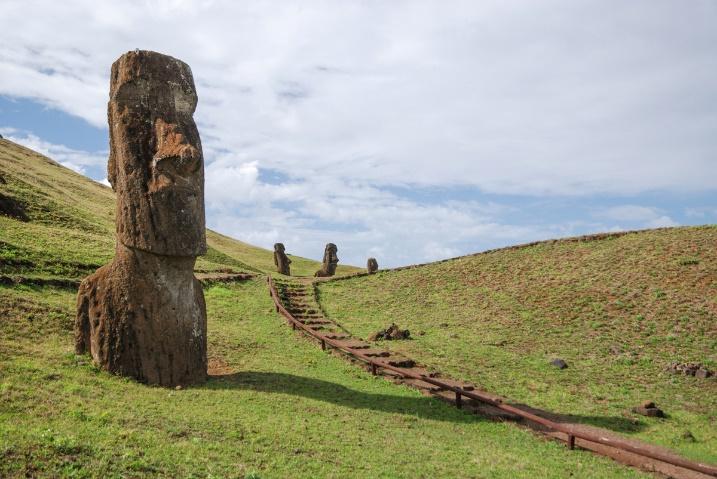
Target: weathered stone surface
155,164
328,267
559,363
392,333
372,265
143,315
281,261
690,369
649,409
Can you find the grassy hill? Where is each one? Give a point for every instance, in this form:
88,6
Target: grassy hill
275,405
617,309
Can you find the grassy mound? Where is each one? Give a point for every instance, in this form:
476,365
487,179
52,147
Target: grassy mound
618,310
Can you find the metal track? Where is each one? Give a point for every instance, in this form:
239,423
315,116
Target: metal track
570,431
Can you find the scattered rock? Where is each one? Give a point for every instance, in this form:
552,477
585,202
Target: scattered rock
690,369
421,333
281,261
13,208
143,315
688,436
649,409
372,265
391,333
402,363
331,260
178,388
615,349
559,363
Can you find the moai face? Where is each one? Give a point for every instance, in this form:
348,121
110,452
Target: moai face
156,164
330,258
279,248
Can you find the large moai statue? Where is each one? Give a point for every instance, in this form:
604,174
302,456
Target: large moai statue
143,315
281,261
371,265
328,268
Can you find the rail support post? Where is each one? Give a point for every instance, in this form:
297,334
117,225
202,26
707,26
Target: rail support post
323,345
571,442
373,369
459,400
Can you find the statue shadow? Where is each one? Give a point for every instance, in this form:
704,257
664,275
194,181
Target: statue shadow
317,389
421,406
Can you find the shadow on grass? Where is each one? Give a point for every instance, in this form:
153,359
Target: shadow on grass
423,407
611,423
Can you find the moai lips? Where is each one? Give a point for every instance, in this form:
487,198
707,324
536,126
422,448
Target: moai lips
143,315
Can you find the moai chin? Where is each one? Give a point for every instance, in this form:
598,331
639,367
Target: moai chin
281,261
328,268
143,315
371,265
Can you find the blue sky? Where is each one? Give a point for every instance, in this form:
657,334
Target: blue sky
408,131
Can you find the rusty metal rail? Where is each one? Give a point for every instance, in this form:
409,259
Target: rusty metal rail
490,399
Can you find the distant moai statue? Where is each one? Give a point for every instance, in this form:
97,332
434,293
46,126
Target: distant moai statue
372,265
328,268
143,315
281,261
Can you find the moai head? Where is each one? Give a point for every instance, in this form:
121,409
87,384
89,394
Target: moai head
372,265
156,165
330,259
279,248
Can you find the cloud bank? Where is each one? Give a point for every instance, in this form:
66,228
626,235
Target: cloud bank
319,119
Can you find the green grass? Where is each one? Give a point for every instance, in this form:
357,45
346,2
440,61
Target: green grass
617,310
277,407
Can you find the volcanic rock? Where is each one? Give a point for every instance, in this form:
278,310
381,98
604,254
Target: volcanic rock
391,333
143,315
690,369
331,260
649,409
281,261
559,363
372,265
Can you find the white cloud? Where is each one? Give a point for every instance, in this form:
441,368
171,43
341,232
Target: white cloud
354,104
510,97
641,216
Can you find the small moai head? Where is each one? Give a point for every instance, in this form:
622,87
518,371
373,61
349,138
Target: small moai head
330,258
156,165
372,265
279,248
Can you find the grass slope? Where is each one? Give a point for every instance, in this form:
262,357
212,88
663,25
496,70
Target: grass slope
276,407
71,227
618,310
